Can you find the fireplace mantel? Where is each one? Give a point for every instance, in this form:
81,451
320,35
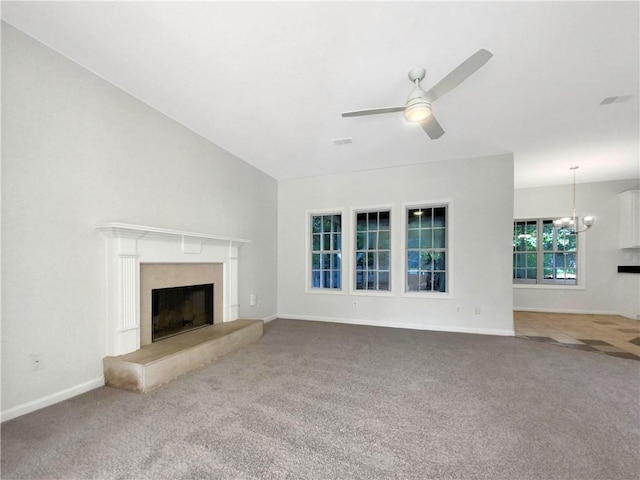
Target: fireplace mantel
130,245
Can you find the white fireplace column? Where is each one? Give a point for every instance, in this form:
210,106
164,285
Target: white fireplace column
130,245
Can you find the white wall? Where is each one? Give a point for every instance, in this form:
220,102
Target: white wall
605,290
78,151
481,192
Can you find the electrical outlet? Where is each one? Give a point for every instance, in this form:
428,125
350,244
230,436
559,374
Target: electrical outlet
458,308
36,362
355,304
477,310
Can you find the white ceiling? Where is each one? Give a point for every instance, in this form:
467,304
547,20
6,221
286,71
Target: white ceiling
268,81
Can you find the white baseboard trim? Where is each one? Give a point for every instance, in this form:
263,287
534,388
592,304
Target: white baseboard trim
51,399
565,310
269,318
409,326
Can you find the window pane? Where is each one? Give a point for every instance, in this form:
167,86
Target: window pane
372,242
383,281
439,238
372,284
315,278
373,220
360,261
439,217
413,218
426,220
547,235
361,241
439,282
383,260
413,258
326,241
316,243
326,274
371,261
383,240
335,261
426,261
317,224
336,279
361,222
425,238
384,220
315,260
439,261
413,238
337,241
532,260
337,223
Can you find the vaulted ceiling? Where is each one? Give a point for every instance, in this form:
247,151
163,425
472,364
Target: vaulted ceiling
268,81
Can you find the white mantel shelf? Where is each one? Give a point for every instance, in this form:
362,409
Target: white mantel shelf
114,229
129,246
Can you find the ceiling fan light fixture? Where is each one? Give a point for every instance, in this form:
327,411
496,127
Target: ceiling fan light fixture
417,112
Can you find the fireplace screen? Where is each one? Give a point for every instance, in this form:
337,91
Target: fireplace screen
180,309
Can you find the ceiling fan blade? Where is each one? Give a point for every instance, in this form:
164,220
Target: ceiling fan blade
432,127
373,111
459,74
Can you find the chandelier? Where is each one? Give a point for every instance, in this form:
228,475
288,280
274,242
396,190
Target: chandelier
572,224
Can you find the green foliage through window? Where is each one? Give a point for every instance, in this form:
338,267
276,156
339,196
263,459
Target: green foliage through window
543,253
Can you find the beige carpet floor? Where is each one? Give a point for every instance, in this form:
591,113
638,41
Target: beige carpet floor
316,400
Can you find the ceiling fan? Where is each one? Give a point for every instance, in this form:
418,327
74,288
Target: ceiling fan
418,105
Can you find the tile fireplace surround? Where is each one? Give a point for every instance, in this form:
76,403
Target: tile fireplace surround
129,246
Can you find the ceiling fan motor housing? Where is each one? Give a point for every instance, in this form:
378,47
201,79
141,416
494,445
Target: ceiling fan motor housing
417,106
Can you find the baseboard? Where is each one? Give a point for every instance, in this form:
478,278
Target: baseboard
409,326
51,399
565,310
269,318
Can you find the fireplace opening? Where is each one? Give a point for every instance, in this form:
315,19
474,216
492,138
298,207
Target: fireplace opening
177,310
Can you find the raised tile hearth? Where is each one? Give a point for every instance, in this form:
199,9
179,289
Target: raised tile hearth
162,361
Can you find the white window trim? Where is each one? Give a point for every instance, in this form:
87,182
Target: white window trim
581,284
345,242
402,254
352,241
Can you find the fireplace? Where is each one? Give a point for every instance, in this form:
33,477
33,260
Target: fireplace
177,310
172,258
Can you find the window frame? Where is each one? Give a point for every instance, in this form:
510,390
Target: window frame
353,246
344,244
448,204
581,245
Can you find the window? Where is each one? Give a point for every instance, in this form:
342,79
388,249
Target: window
373,251
326,251
426,249
543,254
